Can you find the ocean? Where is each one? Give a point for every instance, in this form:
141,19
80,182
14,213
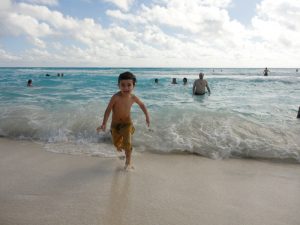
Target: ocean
247,115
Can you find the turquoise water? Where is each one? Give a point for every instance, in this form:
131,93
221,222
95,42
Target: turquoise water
247,114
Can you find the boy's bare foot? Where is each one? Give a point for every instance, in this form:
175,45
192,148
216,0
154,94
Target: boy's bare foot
128,167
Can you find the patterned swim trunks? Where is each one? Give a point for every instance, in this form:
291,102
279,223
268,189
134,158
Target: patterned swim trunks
121,135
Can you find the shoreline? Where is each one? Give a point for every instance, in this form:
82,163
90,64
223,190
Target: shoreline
112,155
41,187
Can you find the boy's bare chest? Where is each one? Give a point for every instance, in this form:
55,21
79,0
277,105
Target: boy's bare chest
123,104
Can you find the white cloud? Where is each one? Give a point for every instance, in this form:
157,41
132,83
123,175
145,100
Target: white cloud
193,19
42,13
277,25
161,33
188,16
122,4
7,57
278,21
23,24
5,5
43,2
184,3
38,42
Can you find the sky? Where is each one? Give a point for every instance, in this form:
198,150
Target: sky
150,33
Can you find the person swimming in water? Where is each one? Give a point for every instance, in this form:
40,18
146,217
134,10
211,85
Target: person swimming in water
29,83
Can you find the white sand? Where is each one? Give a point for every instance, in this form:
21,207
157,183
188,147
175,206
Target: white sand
39,187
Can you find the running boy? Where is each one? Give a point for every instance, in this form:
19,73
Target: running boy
121,124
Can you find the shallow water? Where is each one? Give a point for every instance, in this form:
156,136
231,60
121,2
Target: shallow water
247,114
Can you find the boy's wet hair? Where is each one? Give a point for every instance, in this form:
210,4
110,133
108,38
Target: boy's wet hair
127,76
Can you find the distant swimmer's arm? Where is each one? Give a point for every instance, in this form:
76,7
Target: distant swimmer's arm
207,88
143,108
107,113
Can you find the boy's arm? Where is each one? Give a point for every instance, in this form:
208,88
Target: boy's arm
106,114
143,108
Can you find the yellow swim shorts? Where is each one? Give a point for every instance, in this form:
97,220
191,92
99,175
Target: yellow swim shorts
121,135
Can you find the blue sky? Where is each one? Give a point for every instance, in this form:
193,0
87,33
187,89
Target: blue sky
243,10
157,33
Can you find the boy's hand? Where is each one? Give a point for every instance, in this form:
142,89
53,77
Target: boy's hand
148,122
102,127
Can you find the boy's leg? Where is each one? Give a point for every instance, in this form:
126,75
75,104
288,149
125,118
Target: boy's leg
117,139
127,145
128,157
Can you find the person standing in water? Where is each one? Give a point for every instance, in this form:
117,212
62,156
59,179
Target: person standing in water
266,71
199,86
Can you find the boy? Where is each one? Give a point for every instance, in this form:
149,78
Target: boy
121,124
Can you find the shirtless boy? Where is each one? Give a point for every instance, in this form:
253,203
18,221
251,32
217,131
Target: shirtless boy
121,124
199,86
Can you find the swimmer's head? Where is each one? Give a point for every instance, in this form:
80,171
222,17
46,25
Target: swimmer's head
201,75
29,82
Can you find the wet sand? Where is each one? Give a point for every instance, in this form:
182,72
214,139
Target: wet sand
40,187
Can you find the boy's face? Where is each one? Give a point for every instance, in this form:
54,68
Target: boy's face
126,86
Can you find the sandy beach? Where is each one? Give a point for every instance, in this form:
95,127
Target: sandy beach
40,187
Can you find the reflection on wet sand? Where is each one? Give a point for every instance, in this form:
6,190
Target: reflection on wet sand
119,198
